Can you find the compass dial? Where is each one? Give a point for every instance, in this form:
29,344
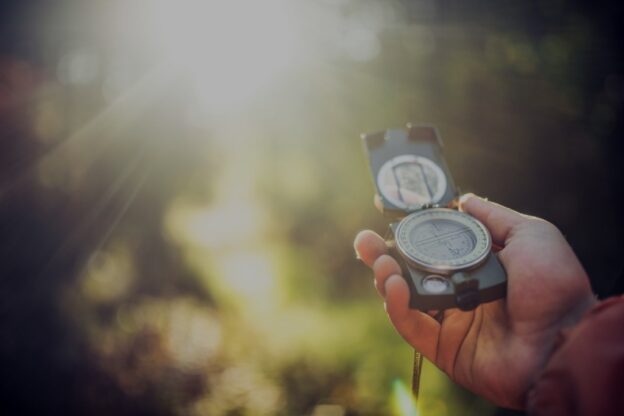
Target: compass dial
411,181
443,239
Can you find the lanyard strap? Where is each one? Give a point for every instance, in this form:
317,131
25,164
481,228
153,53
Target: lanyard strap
416,371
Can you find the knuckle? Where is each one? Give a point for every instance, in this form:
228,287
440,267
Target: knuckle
543,225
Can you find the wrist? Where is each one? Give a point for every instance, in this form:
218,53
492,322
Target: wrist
578,310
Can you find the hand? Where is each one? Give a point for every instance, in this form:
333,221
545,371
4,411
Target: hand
496,349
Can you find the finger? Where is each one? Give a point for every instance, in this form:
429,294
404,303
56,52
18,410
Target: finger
419,329
384,267
369,246
498,219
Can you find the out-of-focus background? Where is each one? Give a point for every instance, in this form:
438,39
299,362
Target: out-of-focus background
181,181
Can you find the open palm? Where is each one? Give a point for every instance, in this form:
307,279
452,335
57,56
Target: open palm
497,349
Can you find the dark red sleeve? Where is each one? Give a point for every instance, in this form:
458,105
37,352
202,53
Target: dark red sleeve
585,374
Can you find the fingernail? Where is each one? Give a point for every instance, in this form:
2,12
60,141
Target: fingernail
465,197
357,254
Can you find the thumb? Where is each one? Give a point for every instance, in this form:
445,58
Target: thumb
498,219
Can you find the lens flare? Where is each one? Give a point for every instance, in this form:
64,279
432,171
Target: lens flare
403,401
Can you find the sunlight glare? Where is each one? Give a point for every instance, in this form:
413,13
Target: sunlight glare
228,225
251,275
232,49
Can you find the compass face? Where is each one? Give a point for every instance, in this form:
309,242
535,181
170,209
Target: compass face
411,181
443,239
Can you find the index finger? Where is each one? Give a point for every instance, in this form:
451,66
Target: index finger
369,246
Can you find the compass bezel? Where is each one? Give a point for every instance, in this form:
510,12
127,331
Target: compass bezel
410,253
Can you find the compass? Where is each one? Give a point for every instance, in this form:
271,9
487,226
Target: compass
445,254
